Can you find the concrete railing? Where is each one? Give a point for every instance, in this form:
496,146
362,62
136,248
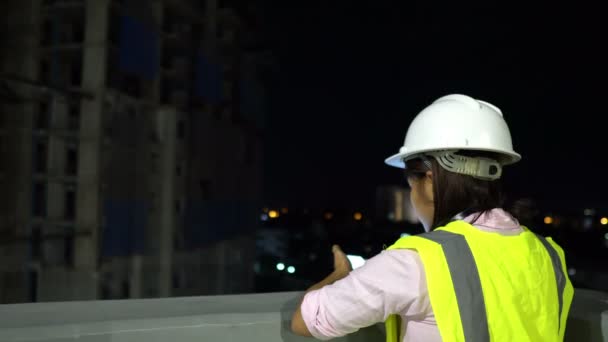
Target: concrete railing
256,317
588,320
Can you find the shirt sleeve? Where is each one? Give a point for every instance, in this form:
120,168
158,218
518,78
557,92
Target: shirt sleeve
392,282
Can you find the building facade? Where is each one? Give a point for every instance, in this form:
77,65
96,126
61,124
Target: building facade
129,145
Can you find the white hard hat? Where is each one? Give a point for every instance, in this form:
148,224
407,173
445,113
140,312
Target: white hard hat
457,122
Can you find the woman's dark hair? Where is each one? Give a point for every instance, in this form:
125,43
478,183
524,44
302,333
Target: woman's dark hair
455,193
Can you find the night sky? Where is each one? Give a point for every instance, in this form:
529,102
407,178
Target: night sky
351,76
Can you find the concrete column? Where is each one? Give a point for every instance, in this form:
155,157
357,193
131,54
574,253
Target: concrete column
167,201
20,57
89,207
56,161
136,269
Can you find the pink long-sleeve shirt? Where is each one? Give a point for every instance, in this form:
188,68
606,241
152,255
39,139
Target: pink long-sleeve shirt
393,282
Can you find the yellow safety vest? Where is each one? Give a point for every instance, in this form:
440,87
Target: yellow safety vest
489,287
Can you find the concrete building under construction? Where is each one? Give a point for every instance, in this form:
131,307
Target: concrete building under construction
131,149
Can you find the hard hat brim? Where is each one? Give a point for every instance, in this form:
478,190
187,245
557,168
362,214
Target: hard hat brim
397,159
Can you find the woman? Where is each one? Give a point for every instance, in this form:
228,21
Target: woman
476,275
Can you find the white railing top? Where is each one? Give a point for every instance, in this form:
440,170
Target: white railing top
252,318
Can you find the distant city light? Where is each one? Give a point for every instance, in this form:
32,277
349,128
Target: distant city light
264,217
606,236
589,212
280,266
548,220
404,235
604,221
257,267
284,210
273,214
291,269
571,271
358,216
328,215
356,261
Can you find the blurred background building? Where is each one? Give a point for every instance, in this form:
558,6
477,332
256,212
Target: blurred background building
126,128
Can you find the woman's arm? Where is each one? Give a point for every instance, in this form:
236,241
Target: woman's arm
342,268
391,282
298,325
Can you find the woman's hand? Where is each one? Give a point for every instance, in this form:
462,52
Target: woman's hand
342,266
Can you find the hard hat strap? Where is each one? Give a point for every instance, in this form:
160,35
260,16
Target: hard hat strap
478,167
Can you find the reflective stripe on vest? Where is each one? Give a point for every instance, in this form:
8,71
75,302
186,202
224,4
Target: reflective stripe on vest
460,309
560,278
467,285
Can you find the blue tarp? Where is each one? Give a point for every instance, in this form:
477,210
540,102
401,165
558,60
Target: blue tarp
210,221
204,222
208,80
138,48
252,101
124,227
